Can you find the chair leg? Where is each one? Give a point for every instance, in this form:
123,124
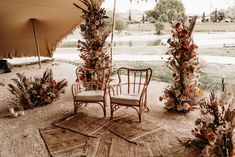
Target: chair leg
140,114
104,108
75,108
111,111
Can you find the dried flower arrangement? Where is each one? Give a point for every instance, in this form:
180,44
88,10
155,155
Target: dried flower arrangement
215,128
34,92
184,94
93,50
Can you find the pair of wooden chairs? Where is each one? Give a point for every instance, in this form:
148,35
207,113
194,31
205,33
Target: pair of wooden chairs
94,86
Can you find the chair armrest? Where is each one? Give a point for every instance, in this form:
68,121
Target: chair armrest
76,88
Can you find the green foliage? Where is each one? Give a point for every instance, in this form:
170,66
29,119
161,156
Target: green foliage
213,16
221,16
217,16
159,27
230,13
167,10
68,44
203,17
120,25
155,43
129,18
143,19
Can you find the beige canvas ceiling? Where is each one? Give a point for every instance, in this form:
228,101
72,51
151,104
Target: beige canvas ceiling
54,19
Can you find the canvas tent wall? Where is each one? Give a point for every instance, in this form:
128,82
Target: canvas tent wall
29,26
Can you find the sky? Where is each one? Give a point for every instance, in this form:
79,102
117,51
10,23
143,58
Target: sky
192,7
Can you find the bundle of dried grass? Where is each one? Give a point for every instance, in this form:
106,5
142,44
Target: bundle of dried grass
184,94
37,91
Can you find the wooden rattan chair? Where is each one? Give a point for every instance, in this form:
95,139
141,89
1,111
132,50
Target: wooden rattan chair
90,88
131,91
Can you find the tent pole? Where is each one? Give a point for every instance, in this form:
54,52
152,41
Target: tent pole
113,25
36,42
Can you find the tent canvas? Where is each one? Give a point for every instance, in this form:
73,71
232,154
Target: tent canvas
31,28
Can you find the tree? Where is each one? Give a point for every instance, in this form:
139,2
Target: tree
230,13
167,10
221,16
214,16
159,27
120,25
129,18
143,18
203,17
217,16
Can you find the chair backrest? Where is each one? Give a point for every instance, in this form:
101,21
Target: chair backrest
133,80
94,79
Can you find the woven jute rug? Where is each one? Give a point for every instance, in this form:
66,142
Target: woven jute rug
61,142
131,130
85,135
82,123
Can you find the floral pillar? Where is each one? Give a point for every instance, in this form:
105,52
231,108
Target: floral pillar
183,94
93,50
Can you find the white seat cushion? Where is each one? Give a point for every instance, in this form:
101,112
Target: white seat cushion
127,99
90,96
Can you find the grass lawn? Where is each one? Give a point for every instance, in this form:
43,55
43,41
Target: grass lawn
210,74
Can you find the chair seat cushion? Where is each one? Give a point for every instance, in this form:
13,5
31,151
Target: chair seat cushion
127,99
90,96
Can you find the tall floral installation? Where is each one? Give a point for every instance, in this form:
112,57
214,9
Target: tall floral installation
215,128
184,93
33,92
93,48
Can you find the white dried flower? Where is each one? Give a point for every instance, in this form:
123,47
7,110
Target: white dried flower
208,118
186,106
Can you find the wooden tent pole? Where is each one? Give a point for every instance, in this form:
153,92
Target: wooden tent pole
113,25
36,42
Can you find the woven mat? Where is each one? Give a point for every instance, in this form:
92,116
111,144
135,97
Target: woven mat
82,123
74,136
61,142
131,130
